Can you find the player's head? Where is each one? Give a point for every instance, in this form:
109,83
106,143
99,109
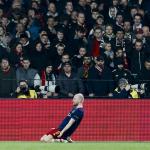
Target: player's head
78,99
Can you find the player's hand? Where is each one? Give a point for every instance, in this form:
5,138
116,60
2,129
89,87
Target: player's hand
60,134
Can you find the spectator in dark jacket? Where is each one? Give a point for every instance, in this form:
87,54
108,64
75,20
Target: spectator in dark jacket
100,79
144,76
68,82
137,57
7,79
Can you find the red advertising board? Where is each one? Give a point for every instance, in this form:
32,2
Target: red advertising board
105,120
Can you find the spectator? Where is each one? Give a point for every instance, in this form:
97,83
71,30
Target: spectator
83,72
7,79
95,43
39,57
16,55
100,79
144,77
26,44
59,51
108,55
65,58
77,60
137,22
78,40
137,57
68,82
28,74
124,90
48,87
50,28
109,35
121,72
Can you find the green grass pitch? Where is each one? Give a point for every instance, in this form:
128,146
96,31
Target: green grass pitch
75,146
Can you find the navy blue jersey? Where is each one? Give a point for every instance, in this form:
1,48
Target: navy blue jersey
76,114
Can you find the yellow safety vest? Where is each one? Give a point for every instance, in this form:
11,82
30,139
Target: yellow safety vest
134,93
32,94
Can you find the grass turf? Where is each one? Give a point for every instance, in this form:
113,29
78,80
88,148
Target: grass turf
75,146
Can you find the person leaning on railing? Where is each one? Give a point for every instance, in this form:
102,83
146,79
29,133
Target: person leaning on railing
23,91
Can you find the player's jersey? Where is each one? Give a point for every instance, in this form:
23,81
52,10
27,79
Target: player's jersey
76,114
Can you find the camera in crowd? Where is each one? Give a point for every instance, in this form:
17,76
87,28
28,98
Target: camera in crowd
52,88
44,89
142,89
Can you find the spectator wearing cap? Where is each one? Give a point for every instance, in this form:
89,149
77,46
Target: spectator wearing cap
100,79
93,4
121,72
69,82
47,87
27,73
7,79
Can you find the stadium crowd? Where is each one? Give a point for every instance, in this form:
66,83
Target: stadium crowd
57,48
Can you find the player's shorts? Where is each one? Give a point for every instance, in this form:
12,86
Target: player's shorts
54,132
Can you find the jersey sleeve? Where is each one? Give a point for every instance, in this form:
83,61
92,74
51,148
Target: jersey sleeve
77,115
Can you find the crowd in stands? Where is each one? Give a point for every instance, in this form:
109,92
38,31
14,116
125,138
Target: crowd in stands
57,48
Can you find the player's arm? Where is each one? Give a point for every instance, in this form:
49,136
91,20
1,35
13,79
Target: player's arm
70,123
